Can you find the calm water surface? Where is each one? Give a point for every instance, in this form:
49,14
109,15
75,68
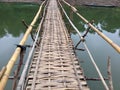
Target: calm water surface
106,19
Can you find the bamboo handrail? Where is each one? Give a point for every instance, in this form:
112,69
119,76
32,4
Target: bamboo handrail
16,53
114,45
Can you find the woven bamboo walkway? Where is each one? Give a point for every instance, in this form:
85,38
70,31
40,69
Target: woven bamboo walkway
54,65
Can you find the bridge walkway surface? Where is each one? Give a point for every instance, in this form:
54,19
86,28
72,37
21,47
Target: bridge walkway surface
55,65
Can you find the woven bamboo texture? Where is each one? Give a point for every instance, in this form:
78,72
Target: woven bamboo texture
55,65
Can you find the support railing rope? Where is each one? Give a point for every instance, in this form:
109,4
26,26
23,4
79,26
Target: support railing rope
15,55
90,55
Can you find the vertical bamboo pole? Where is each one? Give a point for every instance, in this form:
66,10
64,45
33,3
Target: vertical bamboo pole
110,74
17,71
15,55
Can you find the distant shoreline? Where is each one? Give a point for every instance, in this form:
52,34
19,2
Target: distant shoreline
101,3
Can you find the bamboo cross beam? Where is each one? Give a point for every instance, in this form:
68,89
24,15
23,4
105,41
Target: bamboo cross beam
114,45
15,55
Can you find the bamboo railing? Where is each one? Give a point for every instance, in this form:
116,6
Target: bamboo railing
9,66
114,45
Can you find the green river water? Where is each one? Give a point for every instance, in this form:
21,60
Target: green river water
106,19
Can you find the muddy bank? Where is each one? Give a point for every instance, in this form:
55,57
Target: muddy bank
25,1
95,2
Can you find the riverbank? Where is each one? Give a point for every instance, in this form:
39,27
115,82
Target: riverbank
95,2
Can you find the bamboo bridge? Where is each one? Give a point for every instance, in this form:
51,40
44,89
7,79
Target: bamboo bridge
52,63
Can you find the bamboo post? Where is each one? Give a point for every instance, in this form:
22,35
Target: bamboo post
32,36
15,55
95,79
114,45
82,38
109,75
16,74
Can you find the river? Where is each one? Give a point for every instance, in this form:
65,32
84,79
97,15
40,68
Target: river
106,19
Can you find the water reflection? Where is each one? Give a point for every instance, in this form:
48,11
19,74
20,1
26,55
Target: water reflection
102,27
12,29
11,16
105,18
7,47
